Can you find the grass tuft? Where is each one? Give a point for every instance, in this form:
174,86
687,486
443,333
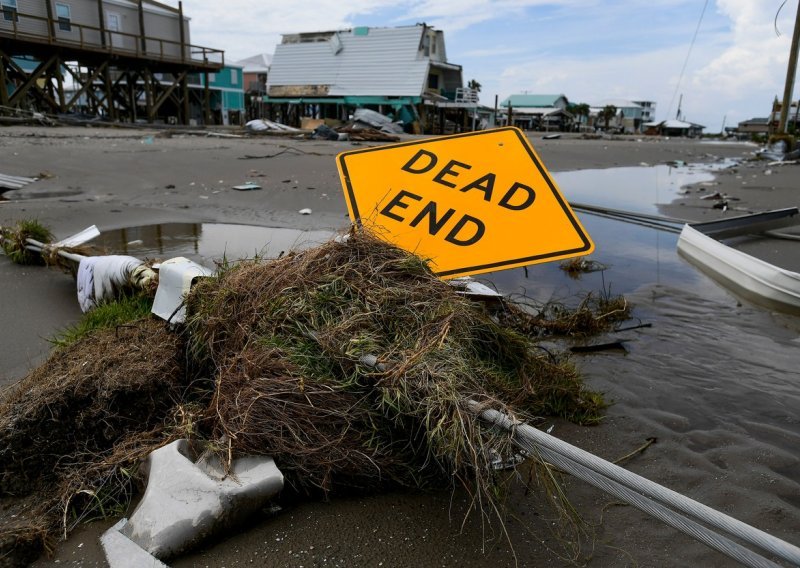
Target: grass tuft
14,241
125,310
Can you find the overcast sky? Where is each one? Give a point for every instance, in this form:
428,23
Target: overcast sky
589,50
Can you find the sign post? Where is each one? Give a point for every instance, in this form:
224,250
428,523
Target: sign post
469,203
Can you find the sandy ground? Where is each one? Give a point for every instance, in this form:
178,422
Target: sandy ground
124,178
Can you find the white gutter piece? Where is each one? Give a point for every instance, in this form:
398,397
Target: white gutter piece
187,501
750,277
175,279
78,239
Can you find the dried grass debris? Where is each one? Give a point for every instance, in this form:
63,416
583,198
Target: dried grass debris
289,342
350,364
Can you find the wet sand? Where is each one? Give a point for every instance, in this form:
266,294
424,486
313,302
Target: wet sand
713,380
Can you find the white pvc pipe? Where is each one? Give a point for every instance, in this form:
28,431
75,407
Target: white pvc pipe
697,531
525,435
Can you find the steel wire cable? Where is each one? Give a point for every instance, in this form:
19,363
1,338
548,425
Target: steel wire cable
525,436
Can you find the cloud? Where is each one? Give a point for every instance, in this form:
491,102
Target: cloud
588,49
756,59
493,51
246,27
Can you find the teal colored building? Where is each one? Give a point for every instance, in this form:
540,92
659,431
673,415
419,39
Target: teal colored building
226,93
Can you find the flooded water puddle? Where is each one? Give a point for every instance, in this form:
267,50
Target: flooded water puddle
633,256
640,189
207,242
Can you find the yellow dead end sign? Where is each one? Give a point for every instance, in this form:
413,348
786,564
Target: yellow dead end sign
469,203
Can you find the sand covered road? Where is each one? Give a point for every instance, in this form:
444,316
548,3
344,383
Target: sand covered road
711,380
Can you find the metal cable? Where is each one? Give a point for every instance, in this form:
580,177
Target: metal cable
669,224
722,544
686,61
525,435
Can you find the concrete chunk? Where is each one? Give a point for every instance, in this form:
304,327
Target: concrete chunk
187,501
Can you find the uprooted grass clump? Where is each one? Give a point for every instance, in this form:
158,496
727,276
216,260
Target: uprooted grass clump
351,364
109,315
71,429
580,265
14,241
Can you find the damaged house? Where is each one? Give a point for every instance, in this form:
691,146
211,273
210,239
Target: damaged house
402,72
536,112
125,60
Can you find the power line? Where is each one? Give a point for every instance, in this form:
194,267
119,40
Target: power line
686,61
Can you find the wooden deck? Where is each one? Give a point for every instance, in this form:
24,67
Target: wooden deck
37,36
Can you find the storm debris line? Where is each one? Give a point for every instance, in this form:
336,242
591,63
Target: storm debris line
350,364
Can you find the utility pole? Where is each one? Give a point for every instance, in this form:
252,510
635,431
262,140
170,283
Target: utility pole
790,73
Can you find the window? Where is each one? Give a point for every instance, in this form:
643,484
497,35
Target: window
433,81
234,77
9,8
64,19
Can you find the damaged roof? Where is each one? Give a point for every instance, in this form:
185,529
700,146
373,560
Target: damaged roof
255,63
533,101
360,61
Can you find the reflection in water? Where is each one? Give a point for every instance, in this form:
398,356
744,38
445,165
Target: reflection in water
635,256
639,189
207,242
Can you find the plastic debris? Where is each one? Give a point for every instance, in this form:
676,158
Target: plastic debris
249,186
188,500
175,279
305,211
100,278
263,125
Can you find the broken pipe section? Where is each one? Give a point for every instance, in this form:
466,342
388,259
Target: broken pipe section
187,501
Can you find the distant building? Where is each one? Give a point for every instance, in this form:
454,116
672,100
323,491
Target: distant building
226,95
400,71
630,115
256,69
791,117
648,110
536,112
116,53
754,126
674,128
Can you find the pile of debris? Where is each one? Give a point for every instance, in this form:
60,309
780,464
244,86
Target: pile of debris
350,364
264,126
365,126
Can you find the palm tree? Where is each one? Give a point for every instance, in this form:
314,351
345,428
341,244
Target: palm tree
608,112
474,85
582,109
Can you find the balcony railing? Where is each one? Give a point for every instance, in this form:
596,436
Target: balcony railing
466,95
463,95
27,27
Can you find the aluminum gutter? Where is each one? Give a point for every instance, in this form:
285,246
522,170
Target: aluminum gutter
758,281
750,224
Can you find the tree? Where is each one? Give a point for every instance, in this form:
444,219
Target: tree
474,85
608,112
581,109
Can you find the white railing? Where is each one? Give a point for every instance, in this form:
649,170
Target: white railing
466,95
